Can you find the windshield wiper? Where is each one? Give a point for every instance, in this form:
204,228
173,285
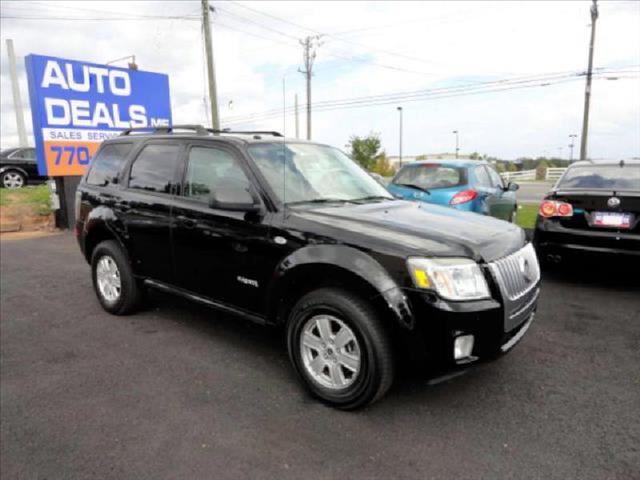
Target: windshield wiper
371,197
319,200
415,187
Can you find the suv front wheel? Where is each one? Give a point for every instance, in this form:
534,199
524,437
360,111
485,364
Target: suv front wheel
339,348
113,280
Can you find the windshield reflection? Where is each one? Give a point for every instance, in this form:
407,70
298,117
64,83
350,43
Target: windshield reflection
304,173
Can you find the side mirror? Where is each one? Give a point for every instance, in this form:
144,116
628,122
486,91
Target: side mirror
233,199
512,187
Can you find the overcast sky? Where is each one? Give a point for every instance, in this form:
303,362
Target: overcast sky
368,48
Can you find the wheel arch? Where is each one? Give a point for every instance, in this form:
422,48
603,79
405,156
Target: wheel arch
321,266
10,168
97,229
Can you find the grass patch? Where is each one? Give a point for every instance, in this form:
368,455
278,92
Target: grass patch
37,197
527,214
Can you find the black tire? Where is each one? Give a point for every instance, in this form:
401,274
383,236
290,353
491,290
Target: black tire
376,370
12,176
130,296
513,218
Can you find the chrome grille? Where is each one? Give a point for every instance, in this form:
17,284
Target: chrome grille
517,273
517,276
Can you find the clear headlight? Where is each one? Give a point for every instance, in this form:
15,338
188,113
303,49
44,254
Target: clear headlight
452,278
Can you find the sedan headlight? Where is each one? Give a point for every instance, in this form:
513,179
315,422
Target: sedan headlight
452,278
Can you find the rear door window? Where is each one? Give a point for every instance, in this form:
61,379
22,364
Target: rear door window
431,177
108,162
154,169
24,154
608,177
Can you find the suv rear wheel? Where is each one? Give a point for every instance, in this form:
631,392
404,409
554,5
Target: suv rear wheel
339,347
113,280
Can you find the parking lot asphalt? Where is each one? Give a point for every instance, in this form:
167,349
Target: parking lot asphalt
180,391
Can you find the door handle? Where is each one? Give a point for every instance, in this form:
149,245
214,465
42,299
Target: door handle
186,221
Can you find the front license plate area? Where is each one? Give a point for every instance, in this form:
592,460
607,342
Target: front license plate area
612,220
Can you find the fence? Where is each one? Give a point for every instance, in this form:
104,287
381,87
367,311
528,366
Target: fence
522,175
554,174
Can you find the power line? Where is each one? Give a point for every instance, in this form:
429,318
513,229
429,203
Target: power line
335,37
444,92
400,96
118,15
407,94
329,53
247,20
392,102
251,34
99,19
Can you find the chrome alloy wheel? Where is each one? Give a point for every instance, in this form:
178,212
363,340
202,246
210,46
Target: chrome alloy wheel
12,180
330,352
108,279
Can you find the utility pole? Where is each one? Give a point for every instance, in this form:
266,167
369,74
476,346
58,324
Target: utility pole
297,116
587,90
400,111
15,89
572,138
455,132
213,93
309,44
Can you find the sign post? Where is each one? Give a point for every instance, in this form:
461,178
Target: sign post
77,105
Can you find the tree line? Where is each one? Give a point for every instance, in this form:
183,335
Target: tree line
368,152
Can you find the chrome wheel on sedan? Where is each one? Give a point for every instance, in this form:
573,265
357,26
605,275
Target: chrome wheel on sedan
330,352
108,279
12,180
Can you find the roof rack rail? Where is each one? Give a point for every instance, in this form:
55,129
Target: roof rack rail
246,132
199,129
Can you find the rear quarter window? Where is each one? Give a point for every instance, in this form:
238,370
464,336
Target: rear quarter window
607,177
108,163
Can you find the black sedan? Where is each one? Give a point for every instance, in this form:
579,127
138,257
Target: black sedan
18,167
594,207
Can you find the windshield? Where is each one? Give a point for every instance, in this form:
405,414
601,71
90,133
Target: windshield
431,176
313,173
609,177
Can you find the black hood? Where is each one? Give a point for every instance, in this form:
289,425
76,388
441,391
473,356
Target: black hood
411,228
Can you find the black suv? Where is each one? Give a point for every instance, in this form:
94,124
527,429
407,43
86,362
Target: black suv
295,234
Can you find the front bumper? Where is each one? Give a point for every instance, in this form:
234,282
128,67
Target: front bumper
438,323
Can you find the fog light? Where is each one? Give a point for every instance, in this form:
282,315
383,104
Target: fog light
462,347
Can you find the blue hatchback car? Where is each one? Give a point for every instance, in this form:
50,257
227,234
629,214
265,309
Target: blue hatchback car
469,185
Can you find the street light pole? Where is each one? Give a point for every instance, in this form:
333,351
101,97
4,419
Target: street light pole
572,137
400,111
457,142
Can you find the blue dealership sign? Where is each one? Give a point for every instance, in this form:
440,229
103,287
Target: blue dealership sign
76,105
